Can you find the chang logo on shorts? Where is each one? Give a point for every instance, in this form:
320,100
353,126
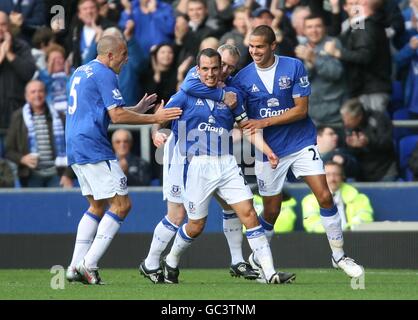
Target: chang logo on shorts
123,183
192,208
261,185
267,112
175,191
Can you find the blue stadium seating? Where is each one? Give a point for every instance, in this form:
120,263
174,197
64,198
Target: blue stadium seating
406,146
398,133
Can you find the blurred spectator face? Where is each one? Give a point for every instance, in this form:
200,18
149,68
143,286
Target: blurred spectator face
298,19
165,56
334,176
229,64
57,60
35,95
350,121
240,22
351,7
122,143
87,12
327,140
196,11
263,19
4,25
291,3
103,7
314,30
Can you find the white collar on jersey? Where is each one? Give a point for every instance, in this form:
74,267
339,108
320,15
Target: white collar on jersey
276,62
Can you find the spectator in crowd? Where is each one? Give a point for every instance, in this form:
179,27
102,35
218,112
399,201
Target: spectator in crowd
369,139
110,10
209,42
7,179
35,142
287,218
161,74
326,74
366,55
237,35
25,16
85,29
327,140
56,77
16,69
220,14
41,40
354,207
137,170
330,11
298,20
154,22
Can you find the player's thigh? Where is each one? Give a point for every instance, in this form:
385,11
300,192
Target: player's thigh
270,181
199,186
175,212
308,163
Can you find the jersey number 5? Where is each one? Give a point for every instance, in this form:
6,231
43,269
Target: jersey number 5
73,94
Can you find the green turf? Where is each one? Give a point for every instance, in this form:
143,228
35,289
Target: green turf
213,284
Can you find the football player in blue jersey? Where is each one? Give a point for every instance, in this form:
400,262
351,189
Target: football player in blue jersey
204,140
172,180
94,101
276,90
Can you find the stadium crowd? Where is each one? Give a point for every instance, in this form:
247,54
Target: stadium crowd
361,57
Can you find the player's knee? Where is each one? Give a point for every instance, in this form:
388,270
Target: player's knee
195,227
176,213
125,207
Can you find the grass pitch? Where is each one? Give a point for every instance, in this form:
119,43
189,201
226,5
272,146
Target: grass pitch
212,284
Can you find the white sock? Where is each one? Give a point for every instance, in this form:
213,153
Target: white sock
268,231
233,233
106,231
181,243
86,231
331,221
163,233
261,248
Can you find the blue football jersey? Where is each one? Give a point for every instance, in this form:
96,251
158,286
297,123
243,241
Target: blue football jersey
93,91
204,127
290,81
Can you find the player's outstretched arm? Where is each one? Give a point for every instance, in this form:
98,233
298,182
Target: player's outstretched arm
298,112
158,138
121,115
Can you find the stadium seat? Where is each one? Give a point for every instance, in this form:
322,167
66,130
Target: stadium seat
406,146
398,133
396,98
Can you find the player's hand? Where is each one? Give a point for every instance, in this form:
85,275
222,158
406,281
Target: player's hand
252,125
163,115
159,139
146,103
273,160
230,99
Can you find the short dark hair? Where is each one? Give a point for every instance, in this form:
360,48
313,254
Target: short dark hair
321,128
266,32
208,52
42,37
314,16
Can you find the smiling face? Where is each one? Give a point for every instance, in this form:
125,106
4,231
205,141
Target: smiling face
209,70
314,30
261,51
35,95
87,12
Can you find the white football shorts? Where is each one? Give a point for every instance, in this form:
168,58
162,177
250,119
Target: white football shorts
101,180
209,174
305,162
173,165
